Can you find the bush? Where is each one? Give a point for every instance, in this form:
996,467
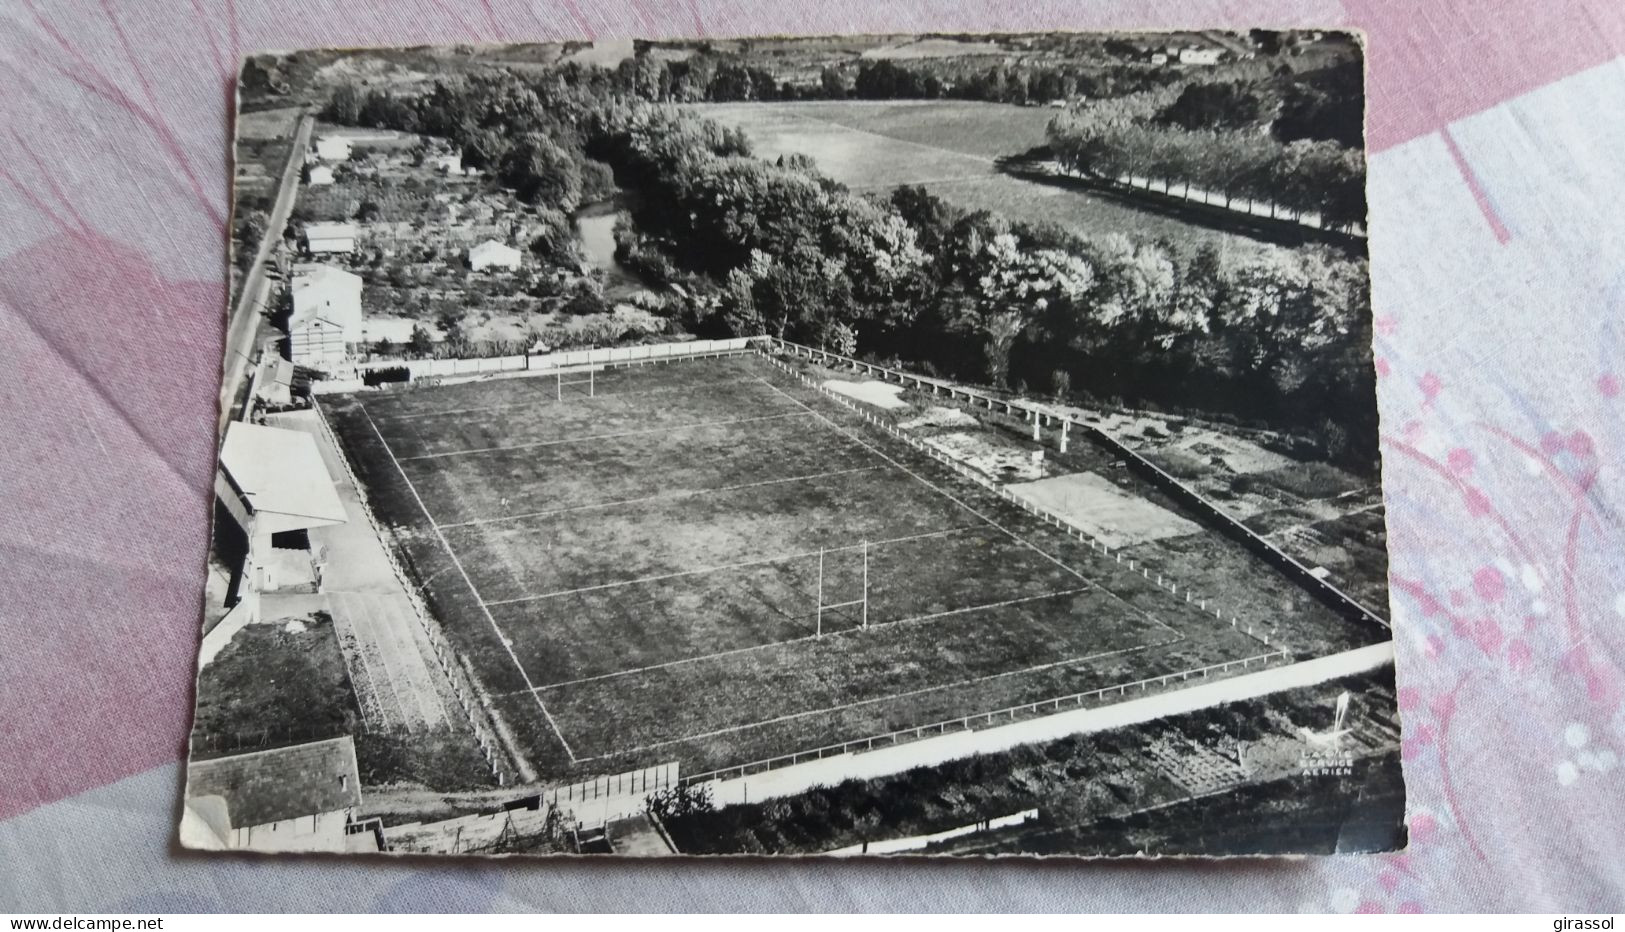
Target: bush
386,374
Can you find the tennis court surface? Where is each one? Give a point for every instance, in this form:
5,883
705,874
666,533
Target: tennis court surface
709,561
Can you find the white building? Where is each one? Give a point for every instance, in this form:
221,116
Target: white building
326,315
321,174
492,254
1200,56
299,798
275,485
331,148
451,164
329,238
273,381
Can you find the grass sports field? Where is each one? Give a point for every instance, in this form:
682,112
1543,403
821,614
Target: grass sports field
949,147
634,577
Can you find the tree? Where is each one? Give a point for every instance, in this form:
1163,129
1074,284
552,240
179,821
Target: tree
1002,328
555,239
344,107
844,340
1060,382
681,800
832,83
541,172
422,344
597,181
251,231
1215,105
368,211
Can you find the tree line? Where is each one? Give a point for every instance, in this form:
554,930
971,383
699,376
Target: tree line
1304,175
1275,335
1267,334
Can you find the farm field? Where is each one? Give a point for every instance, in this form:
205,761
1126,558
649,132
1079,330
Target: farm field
604,562
950,149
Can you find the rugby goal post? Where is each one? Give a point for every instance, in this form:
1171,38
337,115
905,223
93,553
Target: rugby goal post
559,383
863,600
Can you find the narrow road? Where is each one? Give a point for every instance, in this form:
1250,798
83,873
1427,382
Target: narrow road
244,318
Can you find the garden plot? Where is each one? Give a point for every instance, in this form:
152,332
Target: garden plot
880,394
992,454
1094,505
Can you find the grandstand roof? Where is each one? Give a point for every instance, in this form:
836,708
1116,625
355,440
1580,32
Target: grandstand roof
281,472
262,787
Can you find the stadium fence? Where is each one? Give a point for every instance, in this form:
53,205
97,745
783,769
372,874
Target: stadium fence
983,719
355,378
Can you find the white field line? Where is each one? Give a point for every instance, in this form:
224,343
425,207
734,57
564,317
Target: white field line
669,428
731,729
468,582
961,503
691,493
725,566
717,655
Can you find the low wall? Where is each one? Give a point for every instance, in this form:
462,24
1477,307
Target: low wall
420,369
881,762
243,614
918,842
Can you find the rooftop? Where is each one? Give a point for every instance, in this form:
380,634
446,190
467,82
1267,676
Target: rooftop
326,229
282,783
281,472
307,275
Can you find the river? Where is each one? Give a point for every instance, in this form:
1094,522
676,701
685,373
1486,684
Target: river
595,228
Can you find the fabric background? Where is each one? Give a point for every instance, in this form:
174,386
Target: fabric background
1498,211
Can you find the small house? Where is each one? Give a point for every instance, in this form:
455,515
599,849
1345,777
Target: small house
331,148
299,798
273,382
329,238
491,254
321,174
326,315
449,164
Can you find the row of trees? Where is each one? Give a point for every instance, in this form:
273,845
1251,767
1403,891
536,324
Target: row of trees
1303,176
777,247
1275,335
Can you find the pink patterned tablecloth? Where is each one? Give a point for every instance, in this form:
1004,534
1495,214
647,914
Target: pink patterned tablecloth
1498,203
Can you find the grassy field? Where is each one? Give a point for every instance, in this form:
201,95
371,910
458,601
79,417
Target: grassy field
949,147
276,683
634,576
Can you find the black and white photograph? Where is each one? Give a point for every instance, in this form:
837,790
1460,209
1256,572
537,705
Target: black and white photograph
943,445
